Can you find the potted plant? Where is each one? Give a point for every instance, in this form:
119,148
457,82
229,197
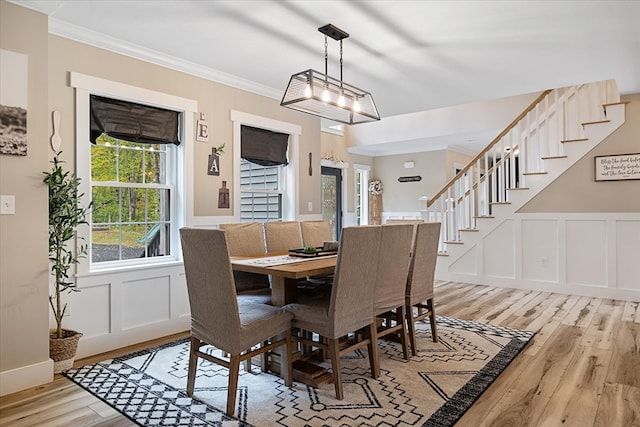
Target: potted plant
65,214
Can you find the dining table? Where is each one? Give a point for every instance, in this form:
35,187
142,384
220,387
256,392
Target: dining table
285,271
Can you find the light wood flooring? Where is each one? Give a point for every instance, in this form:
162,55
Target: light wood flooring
581,369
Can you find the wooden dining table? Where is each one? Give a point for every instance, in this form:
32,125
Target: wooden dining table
285,271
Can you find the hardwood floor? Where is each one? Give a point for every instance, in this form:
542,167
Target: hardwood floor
581,369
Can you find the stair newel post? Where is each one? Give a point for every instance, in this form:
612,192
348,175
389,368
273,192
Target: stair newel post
513,183
559,151
536,149
481,207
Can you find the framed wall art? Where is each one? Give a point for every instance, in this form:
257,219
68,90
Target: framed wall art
617,167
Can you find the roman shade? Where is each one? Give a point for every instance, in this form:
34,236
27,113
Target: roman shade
133,122
263,147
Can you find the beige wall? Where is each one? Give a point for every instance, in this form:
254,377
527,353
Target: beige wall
403,196
24,308
577,191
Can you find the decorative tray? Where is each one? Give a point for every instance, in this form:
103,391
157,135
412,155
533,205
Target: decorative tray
317,253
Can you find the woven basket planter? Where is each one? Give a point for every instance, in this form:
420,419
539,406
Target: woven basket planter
63,350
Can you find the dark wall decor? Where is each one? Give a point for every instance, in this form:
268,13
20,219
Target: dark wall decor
223,196
410,178
213,165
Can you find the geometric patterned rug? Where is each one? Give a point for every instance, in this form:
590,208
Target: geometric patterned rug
434,388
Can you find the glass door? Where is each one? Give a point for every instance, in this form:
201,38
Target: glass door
331,198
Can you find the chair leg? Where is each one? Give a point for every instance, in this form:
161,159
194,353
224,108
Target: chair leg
334,350
286,360
411,327
193,364
374,359
234,370
432,319
400,319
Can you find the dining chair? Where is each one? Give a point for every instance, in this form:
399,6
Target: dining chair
282,236
349,308
315,233
391,282
247,239
419,296
219,320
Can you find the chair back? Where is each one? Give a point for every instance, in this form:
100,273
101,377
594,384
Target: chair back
282,236
351,304
393,268
245,239
423,263
315,233
210,285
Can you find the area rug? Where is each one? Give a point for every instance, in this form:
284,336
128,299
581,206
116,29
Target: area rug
434,388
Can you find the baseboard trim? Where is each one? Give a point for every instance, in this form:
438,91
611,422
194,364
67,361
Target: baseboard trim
25,377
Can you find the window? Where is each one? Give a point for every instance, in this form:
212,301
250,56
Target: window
258,197
132,192
260,192
138,184
362,194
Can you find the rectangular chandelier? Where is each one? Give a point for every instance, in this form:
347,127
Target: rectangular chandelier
319,94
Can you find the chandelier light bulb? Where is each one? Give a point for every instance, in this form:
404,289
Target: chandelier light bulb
356,105
341,101
325,95
307,91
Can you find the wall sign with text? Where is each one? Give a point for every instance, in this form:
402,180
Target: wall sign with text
617,167
409,178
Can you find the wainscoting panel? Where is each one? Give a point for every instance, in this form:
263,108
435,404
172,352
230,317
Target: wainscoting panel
540,254
467,263
136,309
586,243
628,254
91,319
180,297
591,254
499,251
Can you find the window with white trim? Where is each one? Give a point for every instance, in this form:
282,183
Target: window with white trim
132,189
139,188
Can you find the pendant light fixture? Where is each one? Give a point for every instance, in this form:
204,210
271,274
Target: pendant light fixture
320,94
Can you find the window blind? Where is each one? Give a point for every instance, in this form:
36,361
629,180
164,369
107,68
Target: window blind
263,147
133,122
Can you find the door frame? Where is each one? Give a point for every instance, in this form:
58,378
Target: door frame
343,166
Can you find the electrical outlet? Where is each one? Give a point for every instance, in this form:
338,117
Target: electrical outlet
310,206
7,205
543,261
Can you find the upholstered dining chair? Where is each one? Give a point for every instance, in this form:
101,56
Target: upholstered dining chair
247,239
219,320
419,296
391,282
350,306
315,233
282,236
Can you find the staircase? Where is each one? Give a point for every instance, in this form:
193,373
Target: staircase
546,139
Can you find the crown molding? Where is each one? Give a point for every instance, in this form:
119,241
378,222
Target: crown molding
102,41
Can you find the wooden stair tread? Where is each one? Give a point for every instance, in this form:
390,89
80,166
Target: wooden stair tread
484,216
597,122
499,203
468,229
574,140
615,103
535,173
553,157
518,188
454,242
443,254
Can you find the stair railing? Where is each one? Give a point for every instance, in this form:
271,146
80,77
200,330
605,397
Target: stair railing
538,133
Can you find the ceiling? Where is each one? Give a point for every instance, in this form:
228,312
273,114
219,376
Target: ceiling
412,56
